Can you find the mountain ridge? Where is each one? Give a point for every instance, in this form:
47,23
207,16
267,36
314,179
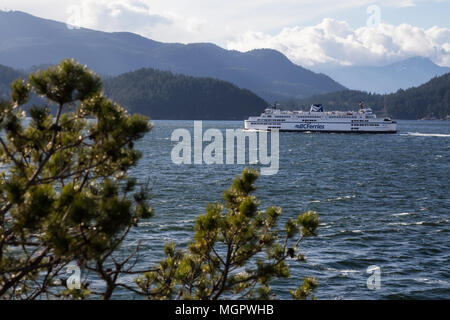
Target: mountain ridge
26,40
389,78
8,75
429,100
164,95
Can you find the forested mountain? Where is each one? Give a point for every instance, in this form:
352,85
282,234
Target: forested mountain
163,95
431,99
26,40
7,75
387,79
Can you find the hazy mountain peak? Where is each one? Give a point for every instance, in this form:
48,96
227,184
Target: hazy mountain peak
415,62
389,78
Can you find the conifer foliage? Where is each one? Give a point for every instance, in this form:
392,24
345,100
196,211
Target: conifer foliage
65,196
236,251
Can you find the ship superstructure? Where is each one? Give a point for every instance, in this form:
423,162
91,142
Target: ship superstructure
316,119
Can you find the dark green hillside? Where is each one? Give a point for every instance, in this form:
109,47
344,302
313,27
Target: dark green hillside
429,100
164,95
7,75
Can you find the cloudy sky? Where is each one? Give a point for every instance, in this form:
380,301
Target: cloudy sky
312,33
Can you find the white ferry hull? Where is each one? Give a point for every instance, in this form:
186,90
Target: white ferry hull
339,127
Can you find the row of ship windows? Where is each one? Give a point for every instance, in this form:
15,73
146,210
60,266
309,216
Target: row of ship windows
279,116
343,117
353,124
316,117
265,123
281,120
290,117
275,121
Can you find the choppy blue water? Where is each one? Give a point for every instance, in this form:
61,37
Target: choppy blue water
383,200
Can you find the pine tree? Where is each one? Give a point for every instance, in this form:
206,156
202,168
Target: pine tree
65,195
235,253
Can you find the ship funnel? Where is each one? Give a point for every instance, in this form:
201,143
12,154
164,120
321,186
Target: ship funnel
316,108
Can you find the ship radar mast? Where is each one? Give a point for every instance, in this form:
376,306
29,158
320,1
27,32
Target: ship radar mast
276,105
361,105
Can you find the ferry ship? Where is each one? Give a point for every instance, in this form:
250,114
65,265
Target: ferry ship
317,120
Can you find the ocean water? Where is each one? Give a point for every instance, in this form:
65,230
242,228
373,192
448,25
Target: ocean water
383,200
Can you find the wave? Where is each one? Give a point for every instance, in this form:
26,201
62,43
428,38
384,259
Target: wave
343,272
254,130
342,198
406,223
431,281
401,214
419,134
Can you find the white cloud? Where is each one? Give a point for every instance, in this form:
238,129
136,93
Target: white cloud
134,16
333,42
230,24
405,3
213,20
